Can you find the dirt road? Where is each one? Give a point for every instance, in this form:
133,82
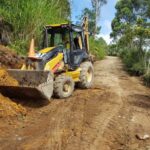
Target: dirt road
108,116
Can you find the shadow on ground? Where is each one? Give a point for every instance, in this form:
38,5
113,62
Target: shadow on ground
139,100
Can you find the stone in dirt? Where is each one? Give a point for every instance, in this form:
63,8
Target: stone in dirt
142,136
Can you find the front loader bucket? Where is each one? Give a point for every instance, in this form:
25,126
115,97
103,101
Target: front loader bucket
32,85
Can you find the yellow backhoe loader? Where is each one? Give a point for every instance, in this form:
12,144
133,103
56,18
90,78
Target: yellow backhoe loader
62,63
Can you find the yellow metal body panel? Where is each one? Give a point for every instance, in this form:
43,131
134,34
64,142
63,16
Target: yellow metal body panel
86,31
74,74
52,63
80,42
45,50
56,25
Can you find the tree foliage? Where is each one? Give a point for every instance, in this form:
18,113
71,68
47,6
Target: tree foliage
91,16
131,32
94,15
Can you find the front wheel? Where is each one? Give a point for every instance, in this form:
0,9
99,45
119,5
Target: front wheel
86,75
63,86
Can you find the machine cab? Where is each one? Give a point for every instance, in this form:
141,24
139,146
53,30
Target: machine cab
69,39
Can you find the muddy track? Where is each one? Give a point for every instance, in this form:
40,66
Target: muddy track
106,117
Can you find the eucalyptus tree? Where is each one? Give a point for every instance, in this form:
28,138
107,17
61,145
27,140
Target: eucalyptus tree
97,4
131,30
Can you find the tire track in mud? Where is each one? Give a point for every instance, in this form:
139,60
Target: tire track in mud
113,107
77,123
105,117
72,137
118,131
122,129
94,128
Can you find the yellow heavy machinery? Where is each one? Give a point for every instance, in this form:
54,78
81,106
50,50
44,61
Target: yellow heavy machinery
62,63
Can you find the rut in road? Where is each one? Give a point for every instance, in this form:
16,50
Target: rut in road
106,117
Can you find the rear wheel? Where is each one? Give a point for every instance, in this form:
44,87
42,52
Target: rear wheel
86,75
63,86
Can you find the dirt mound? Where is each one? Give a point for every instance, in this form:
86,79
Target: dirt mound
9,59
7,106
5,79
10,108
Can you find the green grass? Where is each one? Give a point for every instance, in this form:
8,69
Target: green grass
29,16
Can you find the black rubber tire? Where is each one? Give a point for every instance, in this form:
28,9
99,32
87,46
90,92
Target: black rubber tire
85,68
59,84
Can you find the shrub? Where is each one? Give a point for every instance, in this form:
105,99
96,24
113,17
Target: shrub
98,47
146,78
137,68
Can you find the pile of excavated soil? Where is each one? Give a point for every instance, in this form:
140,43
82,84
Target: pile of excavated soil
7,106
5,79
9,59
10,108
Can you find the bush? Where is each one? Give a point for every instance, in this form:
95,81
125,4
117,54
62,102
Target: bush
137,68
112,50
134,64
98,47
146,78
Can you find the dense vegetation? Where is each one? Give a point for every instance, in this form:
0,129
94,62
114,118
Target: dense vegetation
131,33
98,47
24,19
27,18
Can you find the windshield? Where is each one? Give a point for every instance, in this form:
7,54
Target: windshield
55,37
